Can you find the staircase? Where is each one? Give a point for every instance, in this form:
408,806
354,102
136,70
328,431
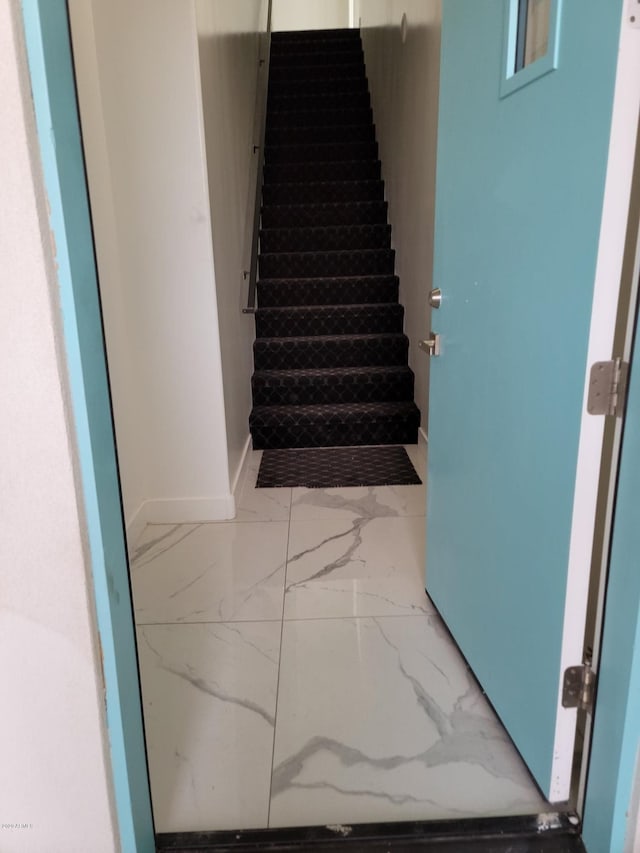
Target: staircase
330,357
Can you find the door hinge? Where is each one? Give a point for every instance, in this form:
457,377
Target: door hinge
579,687
608,387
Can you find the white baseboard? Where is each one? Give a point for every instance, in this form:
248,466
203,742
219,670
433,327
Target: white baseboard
180,511
237,477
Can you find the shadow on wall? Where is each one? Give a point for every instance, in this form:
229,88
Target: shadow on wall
404,82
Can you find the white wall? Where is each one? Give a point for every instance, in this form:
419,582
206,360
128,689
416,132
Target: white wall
126,384
309,14
54,775
229,46
139,88
404,83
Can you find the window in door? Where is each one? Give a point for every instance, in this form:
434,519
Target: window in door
531,42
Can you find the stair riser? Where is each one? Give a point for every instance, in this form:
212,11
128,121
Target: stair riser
319,118
282,324
338,435
327,291
327,214
343,191
342,101
278,155
286,36
313,353
331,86
326,46
318,135
343,170
318,72
325,239
361,388
291,60
320,264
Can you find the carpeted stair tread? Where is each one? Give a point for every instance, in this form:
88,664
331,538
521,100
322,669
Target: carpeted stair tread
319,117
336,263
312,172
324,214
325,238
328,133
334,413
322,153
335,425
304,320
336,100
322,191
320,351
342,290
333,385
330,357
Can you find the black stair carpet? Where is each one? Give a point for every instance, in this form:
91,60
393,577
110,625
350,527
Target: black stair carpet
330,355
337,467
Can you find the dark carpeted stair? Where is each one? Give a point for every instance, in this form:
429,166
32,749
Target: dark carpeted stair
351,290
330,356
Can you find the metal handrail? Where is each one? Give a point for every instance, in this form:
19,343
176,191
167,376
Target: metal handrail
258,150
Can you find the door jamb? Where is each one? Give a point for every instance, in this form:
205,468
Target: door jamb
46,29
611,247
48,47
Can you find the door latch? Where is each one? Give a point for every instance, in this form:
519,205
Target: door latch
431,345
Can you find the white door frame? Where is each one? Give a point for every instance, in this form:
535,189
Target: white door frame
624,125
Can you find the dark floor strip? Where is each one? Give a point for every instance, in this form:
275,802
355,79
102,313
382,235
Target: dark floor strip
552,833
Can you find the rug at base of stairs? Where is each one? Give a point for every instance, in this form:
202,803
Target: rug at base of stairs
335,467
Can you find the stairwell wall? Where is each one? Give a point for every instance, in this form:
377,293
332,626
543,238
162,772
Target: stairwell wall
140,101
404,84
229,41
310,15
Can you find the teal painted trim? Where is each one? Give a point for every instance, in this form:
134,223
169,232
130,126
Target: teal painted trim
616,735
510,81
46,26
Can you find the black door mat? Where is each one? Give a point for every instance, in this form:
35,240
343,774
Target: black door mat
334,467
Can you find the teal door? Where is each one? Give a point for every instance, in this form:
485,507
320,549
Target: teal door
521,169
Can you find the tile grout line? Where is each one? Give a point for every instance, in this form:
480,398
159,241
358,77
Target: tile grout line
275,713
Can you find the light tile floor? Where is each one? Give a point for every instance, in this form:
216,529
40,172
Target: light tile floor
295,673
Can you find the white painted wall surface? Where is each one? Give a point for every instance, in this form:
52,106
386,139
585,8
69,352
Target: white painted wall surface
404,82
229,39
129,396
54,774
141,110
309,14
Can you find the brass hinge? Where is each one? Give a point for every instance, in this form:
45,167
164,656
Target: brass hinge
579,687
608,387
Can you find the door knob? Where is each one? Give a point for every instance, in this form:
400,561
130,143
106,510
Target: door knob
435,298
431,345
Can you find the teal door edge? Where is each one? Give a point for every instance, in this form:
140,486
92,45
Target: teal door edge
615,758
46,28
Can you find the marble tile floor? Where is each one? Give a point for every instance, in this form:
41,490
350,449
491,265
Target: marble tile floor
295,673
